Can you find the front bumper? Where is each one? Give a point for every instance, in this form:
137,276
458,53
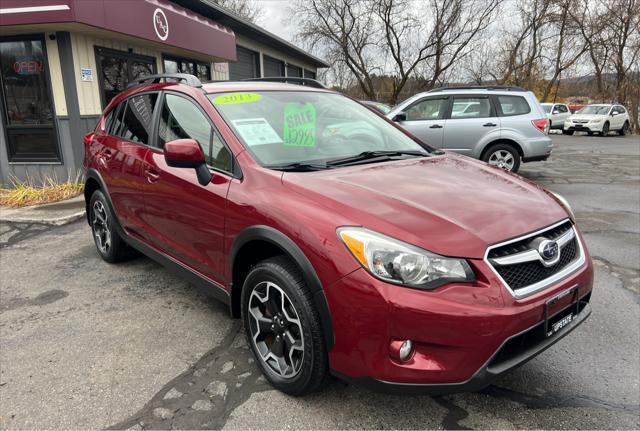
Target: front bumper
459,331
497,365
583,127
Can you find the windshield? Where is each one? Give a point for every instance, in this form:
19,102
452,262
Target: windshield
286,127
547,108
595,110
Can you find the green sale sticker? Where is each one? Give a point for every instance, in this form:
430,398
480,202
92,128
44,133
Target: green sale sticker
237,98
300,125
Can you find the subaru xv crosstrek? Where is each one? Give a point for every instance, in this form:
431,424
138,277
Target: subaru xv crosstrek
346,245
500,125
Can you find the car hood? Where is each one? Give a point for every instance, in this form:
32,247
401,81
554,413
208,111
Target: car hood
587,117
451,205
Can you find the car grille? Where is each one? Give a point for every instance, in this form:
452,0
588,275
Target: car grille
581,121
518,262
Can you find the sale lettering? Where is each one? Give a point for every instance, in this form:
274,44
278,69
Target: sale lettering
300,125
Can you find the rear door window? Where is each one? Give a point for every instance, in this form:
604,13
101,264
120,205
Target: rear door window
513,105
137,117
471,107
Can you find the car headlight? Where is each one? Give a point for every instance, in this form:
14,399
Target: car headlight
596,120
563,202
397,262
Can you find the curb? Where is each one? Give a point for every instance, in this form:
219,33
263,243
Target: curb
60,221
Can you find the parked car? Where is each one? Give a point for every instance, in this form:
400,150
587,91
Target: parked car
383,108
499,125
346,245
557,113
601,119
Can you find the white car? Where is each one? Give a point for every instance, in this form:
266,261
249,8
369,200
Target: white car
557,113
598,119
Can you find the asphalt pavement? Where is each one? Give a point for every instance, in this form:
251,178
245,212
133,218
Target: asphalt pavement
85,344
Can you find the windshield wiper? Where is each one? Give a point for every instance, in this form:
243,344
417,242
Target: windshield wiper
372,155
299,167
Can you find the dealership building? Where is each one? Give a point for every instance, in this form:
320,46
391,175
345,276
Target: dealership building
62,61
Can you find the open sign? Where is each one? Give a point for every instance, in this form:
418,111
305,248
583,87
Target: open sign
28,65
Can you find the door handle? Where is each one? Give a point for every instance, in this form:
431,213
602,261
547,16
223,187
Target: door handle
152,175
107,154
436,126
489,125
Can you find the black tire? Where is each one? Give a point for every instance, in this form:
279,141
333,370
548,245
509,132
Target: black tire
117,249
486,157
590,133
625,129
313,367
567,132
605,130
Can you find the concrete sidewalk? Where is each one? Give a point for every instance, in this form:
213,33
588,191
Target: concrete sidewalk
55,214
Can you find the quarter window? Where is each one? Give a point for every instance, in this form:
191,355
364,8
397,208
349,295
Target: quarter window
471,107
427,109
513,105
181,119
136,121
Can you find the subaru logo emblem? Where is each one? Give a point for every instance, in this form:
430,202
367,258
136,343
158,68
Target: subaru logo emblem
548,250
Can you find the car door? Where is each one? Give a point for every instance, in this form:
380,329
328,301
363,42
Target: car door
562,113
425,120
468,126
184,218
617,121
121,159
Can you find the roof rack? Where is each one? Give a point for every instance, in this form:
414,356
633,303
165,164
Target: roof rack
185,78
480,87
290,80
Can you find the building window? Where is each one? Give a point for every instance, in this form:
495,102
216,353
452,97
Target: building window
117,68
200,69
27,107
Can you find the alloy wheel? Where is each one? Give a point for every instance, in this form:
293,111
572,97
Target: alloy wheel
502,159
276,331
100,224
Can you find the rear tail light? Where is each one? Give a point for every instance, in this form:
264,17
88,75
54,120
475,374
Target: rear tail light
88,138
542,124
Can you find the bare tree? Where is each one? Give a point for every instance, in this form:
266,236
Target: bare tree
247,9
343,30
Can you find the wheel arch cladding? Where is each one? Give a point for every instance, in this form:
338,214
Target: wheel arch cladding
257,243
511,142
91,184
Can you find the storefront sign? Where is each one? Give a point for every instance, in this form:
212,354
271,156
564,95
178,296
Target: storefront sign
161,24
86,74
28,65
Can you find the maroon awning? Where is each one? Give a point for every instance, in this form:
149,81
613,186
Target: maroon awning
155,20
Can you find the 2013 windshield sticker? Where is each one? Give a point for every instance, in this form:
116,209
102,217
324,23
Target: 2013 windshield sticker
300,125
237,98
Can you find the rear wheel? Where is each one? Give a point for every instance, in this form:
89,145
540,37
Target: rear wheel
605,129
110,245
504,156
283,327
625,129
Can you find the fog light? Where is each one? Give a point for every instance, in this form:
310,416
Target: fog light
405,350
401,350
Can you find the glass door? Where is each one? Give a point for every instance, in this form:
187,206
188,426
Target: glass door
27,109
117,68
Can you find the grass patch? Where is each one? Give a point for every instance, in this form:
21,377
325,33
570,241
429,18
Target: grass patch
25,193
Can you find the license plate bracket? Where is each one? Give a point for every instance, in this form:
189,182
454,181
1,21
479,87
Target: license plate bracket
556,321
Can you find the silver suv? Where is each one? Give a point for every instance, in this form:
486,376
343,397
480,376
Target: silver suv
500,125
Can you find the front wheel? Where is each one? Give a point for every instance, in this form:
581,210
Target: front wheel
605,129
567,132
283,327
503,156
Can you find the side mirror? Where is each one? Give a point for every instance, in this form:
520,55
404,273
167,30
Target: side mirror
400,117
613,114
555,111
186,153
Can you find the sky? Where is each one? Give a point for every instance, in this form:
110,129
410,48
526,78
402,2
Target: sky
276,19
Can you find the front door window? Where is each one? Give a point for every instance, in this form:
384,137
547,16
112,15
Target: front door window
27,105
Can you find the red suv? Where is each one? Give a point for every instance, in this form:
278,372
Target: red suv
346,245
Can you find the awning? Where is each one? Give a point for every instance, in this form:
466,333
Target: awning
155,20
